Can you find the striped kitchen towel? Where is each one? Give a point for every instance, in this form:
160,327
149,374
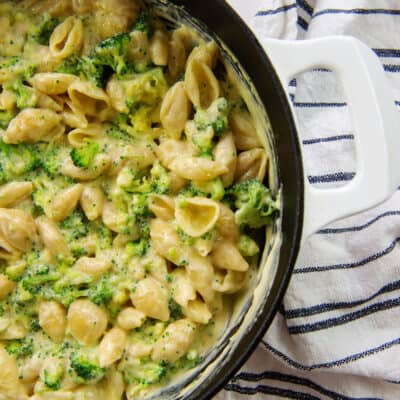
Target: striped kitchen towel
337,335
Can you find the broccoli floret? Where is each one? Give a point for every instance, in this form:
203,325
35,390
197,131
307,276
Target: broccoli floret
101,293
52,379
74,226
216,116
254,204
145,371
26,97
138,248
117,129
86,68
33,281
20,348
85,369
144,23
213,189
247,246
50,159
66,295
112,53
159,179
175,310
83,156
43,31
147,89
16,160
5,118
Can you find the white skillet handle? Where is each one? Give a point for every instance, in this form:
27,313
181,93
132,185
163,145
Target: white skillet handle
375,120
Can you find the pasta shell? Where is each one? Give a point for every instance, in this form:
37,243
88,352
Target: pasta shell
52,319
197,215
175,110
67,38
226,255
197,168
90,99
243,129
17,229
151,298
251,164
65,202
202,86
86,321
52,83
225,153
34,125
111,347
175,341
51,236
13,192
159,48
162,206
197,311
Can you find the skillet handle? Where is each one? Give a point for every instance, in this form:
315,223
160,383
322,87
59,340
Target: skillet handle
375,118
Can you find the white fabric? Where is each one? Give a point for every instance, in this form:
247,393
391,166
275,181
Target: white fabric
338,333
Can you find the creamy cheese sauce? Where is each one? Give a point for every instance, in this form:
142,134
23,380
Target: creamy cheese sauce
132,170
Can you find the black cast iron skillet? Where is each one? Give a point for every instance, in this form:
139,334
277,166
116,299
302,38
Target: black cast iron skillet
220,21
304,209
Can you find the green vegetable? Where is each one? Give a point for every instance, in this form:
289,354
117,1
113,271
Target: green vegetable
41,34
101,293
36,276
16,160
20,348
112,52
247,246
138,248
5,118
51,159
216,117
75,226
86,68
26,97
145,371
83,156
254,203
85,369
52,379
144,23
213,189
175,310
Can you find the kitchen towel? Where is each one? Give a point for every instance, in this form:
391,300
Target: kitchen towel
337,334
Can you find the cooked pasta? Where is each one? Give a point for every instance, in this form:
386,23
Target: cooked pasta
131,191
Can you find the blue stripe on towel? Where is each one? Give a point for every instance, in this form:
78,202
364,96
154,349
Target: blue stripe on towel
359,227
355,264
332,364
302,23
335,177
285,393
328,139
276,11
303,104
272,375
305,6
387,52
391,67
360,11
326,307
344,319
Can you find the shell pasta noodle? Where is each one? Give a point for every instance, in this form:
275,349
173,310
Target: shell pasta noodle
133,193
